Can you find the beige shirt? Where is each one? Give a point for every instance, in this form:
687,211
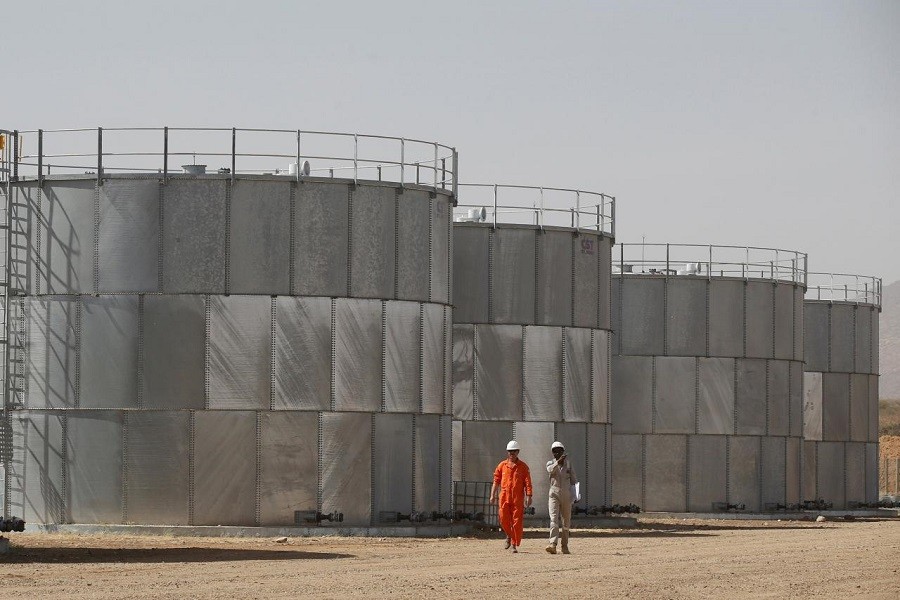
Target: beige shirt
562,477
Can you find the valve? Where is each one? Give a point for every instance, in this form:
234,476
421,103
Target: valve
389,516
725,506
12,524
305,517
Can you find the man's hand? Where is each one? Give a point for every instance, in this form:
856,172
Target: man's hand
527,501
494,499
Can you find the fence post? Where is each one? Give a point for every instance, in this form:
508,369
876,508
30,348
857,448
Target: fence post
99,156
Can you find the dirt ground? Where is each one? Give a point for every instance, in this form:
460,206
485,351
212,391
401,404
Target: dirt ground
659,559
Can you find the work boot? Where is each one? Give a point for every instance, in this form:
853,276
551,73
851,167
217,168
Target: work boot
565,550
515,550
508,544
551,549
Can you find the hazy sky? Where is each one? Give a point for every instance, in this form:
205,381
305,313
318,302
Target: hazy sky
760,123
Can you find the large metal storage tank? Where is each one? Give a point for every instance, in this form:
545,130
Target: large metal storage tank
229,348
706,376
840,407
531,332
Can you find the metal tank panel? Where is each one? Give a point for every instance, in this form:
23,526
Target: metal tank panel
288,465
871,473
483,447
726,318
859,407
604,283
793,470
600,375
665,473
346,461
773,468
224,468
414,259
259,236
65,238
128,236
830,472
392,463
441,254
686,317
855,471
873,408
863,345
430,453
303,345
750,397
758,330
842,340
817,336
321,239
784,321
535,439
598,464
432,360
642,317
574,437
627,469
779,396
588,294
744,485
463,372
51,330
373,232
707,480
35,476
401,358
174,333
543,356
835,406
108,352
795,401
157,475
577,375
193,236
512,283
715,409
812,406
498,372
357,351
554,278
471,275
632,394
240,352
674,408
94,461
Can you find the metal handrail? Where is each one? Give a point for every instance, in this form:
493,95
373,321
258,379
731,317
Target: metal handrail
845,287
549,206
711,260
403,160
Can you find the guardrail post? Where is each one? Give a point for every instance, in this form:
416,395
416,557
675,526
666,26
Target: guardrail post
599,210
443,173
577,224
612,216
233,151
99,156
542,210
455,175
402,161
495,206
435,164
709,264
40,157
165,154
355,158
298,156
15,172
667,260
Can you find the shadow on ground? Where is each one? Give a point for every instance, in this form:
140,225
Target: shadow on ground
156,555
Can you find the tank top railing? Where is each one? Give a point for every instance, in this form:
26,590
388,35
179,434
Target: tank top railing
293,153
709,261
844,287
534,205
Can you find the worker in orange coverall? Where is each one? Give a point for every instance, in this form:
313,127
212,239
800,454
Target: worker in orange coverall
512,479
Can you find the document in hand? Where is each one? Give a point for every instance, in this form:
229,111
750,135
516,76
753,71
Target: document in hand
576,492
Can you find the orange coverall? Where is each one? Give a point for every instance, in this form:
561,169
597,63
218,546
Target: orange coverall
514,480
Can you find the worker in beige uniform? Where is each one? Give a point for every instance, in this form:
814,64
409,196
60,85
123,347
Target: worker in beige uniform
562,496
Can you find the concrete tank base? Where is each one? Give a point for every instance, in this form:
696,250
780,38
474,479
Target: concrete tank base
425,531
830,515
587,522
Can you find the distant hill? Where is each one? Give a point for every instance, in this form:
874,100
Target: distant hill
889,345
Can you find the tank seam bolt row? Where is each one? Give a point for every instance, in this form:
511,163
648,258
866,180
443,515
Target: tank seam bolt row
257,510
207,309
273,357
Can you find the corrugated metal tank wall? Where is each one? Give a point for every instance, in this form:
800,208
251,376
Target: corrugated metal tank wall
531,352
840,405
707,378
207,352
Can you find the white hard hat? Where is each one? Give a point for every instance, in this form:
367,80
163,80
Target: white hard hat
557,445
513,445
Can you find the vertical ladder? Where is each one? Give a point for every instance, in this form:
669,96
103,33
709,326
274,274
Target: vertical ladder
6,442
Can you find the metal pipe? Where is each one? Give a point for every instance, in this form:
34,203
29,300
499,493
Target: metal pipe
298,156
577,224
542,209
233,151
16,155
355,158
455,174
495,206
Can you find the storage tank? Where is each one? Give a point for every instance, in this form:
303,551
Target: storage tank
840,407
531,332
706,377
229,346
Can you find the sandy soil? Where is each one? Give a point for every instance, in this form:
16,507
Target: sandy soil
659,559
889,446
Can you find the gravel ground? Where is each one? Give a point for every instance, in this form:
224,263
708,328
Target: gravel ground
659,559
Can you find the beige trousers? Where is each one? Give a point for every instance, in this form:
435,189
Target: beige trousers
560,518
